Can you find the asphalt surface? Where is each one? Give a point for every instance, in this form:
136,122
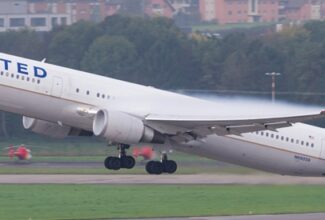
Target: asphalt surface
265,179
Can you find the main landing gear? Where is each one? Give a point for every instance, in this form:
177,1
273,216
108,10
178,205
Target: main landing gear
123,161
128,162
162,166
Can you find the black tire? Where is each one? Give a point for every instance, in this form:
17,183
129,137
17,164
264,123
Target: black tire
150,167
107,163
158,168
114,163
169,166
127,162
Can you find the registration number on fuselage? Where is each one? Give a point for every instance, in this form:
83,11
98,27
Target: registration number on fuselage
302,158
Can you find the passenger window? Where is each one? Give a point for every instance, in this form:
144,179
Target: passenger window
88,92
262,133
292,140
287,139
38,81
267,134
307,144
302,143
312,145
12,75
282,138
277,137
272,135
98,95
103,96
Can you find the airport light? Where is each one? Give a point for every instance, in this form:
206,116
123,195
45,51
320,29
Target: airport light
273,75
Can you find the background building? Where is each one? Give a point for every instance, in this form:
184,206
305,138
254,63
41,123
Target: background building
19,14
239,11
43,15
301,10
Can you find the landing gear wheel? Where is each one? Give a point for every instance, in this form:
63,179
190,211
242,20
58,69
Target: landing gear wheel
107,162
149,167
123,161
127,162
169,166
112,163
154,167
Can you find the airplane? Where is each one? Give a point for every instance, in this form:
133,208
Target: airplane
60,102
21,152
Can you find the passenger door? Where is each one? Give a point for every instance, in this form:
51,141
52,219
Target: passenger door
322,154
57,86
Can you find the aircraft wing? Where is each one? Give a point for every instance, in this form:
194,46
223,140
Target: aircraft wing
188,127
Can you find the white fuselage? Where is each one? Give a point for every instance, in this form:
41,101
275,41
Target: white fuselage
56,94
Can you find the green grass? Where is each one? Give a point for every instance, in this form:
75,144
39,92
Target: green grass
112,201
187,164
89,150
65,147
137,170
219,27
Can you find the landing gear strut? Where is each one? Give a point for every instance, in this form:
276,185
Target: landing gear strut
123,161
162,166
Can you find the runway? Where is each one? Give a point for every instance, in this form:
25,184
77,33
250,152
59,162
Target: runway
223,179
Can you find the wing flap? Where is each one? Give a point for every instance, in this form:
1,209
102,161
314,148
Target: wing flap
203,126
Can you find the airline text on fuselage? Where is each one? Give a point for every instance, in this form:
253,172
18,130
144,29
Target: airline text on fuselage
23,68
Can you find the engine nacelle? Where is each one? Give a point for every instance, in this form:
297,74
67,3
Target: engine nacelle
122,128
51,129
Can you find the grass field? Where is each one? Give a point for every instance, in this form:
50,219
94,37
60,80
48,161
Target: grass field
136,170
219,27
187,164
111,201
89,150
57,147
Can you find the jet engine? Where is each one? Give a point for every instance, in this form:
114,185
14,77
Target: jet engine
52,129
123,128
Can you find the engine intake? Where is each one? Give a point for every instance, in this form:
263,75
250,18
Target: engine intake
120,127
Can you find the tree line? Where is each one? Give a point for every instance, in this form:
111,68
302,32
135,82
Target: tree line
153,51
